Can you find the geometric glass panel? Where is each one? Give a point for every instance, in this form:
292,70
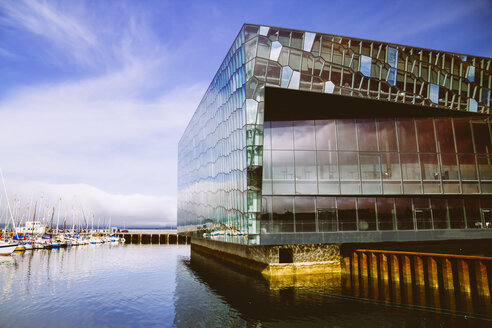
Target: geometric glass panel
472,105
471,73
308,41
434,93
392,57
365,65
286,74
275,51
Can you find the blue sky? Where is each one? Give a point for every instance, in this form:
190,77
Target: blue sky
94,95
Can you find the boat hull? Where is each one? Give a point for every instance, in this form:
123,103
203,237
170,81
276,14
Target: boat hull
7,250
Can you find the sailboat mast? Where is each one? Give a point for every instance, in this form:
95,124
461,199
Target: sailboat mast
8,203
34,218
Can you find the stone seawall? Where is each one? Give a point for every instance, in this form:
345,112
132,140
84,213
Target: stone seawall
275,260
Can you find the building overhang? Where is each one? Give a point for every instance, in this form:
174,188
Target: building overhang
293,105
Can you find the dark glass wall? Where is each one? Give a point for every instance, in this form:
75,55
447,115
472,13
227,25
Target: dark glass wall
300,214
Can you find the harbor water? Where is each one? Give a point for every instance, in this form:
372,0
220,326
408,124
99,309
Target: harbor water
160,286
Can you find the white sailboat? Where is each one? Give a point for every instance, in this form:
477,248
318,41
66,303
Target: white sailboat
7,247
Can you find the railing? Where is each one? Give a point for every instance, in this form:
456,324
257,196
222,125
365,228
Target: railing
457,283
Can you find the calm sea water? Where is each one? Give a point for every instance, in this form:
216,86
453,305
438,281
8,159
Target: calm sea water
158,286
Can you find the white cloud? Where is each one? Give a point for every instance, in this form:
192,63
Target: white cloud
81,200
110,138
45,20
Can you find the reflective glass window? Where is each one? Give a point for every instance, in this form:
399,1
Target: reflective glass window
484,167
467,167
439,213
406,135
365,65
390,166
392,76
471,73
327,214
305,170
410,166
349,166
347,219
266,217
282,214
486,96
425,132
267,172
366,209
349,172
404,213
283,172
434,93
481,135
325,135
472,210
429,166
445,140
327,172
371,174
346,135
423,214
430,173
282,135
387,135
472,105
368,140
411,173
305,214
456,213
386,210
391,173
463,135
304,135
486,205
267,141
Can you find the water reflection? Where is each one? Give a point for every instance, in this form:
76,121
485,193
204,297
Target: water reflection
427,282
323,301
160,286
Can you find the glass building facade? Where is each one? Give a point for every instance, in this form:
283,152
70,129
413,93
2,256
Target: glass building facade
246,176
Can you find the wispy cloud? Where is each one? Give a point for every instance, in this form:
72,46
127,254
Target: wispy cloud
110,138
65,32
82,38
6,53
97,131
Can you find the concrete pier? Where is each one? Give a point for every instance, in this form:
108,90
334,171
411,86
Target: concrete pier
156,237
272,261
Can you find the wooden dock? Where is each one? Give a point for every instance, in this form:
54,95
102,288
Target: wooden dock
157,237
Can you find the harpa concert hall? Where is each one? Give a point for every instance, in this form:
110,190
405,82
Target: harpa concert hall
308,140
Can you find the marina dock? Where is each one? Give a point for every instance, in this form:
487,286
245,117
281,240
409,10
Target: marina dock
159,237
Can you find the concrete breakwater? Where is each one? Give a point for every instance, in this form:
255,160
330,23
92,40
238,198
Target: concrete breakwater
158,237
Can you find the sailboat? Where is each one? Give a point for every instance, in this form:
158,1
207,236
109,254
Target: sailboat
7,247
